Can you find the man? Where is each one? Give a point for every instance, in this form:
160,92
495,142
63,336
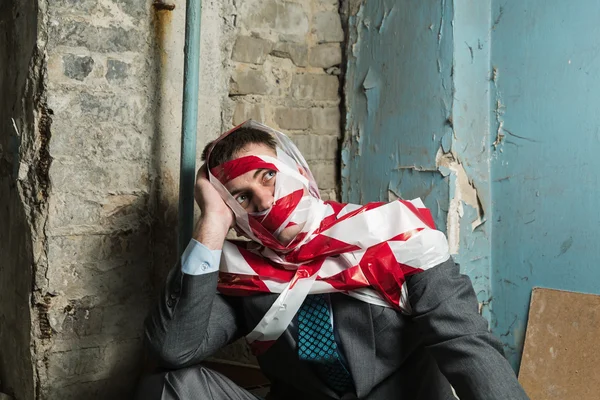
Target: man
339,301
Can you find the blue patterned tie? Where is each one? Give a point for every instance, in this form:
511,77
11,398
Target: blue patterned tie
316,343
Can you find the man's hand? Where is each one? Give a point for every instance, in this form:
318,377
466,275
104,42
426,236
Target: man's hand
216,218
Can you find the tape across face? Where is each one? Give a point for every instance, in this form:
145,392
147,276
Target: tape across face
366,252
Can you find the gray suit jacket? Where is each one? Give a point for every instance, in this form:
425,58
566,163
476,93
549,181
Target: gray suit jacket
391,356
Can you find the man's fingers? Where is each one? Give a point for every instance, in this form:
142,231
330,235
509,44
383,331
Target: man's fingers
202,174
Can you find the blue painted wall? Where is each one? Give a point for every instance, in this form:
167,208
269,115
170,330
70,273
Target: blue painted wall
399,92
545,169
418,118
506,91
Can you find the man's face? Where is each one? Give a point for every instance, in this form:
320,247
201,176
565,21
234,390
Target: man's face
255,190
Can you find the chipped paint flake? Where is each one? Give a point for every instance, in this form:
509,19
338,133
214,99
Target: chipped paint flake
465,193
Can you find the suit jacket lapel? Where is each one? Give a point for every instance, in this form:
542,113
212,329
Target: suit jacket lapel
354,328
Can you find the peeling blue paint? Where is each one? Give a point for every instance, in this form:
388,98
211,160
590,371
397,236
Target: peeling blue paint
447,142
399,93
471,139
404,87
506,94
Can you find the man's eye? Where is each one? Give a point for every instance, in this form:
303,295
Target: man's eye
270,175
241,199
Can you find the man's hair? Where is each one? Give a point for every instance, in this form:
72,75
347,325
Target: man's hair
225,149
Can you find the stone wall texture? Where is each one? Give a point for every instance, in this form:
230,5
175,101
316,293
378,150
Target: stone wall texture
285,66
89,168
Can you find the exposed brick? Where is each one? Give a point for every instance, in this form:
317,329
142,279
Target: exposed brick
326,55
327,4
249,82
96,107
135,8
95,38
298,53
328,27
292,118
317,147
93,361
74,213
334,71
117,386
116,71
325,119
75,362
101,252
77,67
324,173
113,177
329,194
251,50
86,6
124,320
122,285
82,319
287,19
245,111
103,141
315,87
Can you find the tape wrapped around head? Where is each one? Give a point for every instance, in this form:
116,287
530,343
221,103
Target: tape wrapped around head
296,194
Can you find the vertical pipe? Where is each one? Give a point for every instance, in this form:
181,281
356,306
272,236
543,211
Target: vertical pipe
189,122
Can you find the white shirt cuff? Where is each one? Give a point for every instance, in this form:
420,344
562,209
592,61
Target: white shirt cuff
197,259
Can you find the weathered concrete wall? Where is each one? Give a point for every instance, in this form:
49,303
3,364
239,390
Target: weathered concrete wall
92,188
22,190
95,284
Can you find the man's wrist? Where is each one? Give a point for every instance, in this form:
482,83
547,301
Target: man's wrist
211,231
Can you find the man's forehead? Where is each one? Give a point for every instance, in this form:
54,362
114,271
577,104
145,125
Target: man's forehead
255,149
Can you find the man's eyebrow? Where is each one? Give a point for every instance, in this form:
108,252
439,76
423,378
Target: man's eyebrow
237,191
258,171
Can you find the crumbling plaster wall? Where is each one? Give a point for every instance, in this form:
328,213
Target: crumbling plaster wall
92,189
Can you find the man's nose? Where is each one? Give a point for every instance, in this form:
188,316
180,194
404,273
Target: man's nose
264,199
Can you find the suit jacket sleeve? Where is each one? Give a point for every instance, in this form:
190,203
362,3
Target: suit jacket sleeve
445,310
190,320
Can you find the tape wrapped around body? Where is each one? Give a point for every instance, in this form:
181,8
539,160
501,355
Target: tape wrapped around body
365,251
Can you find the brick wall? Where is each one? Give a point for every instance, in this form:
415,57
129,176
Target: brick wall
285,73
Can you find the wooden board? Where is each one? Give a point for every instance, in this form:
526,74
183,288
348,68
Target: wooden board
561,357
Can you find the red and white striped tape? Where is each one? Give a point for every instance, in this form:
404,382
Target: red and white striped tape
363,251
